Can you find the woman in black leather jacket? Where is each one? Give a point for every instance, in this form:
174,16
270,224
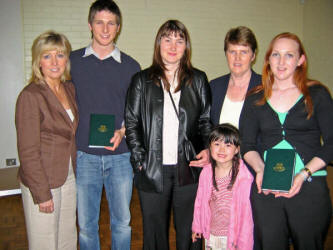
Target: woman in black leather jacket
155,136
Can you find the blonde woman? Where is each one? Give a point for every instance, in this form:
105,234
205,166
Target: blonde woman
46,119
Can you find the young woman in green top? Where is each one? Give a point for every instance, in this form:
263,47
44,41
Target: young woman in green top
289,111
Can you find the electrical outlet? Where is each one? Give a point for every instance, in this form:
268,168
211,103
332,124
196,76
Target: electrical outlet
11,162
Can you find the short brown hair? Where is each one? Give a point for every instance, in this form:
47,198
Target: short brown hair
107,5
241,35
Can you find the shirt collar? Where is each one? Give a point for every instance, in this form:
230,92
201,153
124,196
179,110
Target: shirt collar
115,53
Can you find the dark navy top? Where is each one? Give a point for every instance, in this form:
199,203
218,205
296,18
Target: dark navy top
101,87
219,87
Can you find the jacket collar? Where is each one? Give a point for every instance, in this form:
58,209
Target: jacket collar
58,106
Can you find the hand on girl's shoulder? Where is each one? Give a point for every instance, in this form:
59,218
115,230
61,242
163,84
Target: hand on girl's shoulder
202,159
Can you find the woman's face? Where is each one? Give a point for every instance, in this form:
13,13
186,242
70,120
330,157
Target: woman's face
284,59
172,49
53,64
239,59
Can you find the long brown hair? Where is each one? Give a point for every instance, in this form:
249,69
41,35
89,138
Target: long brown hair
300,75
185,70
228,134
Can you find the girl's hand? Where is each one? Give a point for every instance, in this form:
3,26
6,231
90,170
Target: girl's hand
295,188
46,207
195,236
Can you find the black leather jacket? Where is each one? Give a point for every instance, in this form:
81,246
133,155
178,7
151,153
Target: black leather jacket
144,121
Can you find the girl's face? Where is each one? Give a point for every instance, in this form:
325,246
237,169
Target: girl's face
223,152
284,59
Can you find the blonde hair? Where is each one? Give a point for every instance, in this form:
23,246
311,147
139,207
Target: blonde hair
49,40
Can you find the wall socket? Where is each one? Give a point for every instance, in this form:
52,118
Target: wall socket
11,162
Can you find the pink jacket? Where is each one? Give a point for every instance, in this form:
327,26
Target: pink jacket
240,235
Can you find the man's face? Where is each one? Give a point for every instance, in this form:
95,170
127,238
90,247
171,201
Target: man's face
104,28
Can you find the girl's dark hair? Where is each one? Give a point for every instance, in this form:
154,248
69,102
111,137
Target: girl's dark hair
185,70
228,134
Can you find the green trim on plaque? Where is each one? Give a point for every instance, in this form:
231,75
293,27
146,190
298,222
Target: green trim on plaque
101,130
279,170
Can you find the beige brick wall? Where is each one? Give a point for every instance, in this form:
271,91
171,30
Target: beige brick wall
318,40
68,17
207,21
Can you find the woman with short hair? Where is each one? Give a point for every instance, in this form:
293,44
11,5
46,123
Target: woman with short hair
229,91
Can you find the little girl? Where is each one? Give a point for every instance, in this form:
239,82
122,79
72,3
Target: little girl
222,210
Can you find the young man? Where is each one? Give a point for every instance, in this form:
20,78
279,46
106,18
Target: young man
101,75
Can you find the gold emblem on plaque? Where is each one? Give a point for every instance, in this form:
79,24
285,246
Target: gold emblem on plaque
279,167
103,128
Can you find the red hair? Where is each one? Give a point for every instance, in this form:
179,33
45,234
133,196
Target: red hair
301,79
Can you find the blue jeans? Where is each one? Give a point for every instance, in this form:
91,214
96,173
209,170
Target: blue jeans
115,173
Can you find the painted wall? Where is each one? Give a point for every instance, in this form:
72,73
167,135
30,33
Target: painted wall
318,39
11,74
207,21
